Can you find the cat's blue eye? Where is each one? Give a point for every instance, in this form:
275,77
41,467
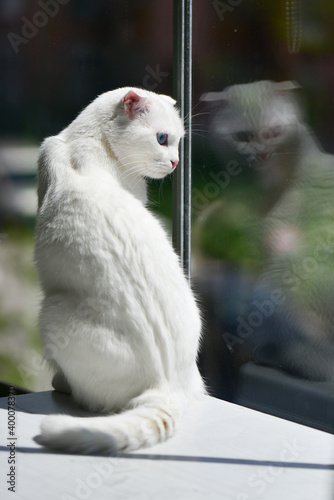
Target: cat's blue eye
162,139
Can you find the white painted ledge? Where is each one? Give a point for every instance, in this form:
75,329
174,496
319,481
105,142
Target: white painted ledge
220,452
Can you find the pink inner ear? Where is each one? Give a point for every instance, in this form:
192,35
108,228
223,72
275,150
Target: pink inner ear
131,96
130,103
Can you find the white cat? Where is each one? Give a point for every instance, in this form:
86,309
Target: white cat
119,322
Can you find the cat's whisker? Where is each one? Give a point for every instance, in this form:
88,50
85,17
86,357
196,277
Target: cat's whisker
133,155
194,129
197,134
186,117
199,126
135,177
201,130
201,114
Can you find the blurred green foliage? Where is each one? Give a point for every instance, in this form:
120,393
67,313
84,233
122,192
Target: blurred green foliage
18,304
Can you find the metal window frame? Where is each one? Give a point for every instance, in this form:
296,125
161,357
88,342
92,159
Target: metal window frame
182,90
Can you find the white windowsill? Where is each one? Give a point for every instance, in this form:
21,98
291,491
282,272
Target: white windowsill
221,451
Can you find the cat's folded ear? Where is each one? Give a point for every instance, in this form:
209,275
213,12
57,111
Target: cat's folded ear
135,104
286,85
213,96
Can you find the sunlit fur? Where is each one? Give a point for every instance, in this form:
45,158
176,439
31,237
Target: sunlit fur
119,322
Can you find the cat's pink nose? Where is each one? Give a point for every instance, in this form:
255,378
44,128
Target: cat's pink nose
174,163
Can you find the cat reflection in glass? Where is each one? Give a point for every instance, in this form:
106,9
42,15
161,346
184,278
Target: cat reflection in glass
263,121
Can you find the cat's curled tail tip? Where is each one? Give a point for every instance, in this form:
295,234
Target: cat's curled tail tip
57,433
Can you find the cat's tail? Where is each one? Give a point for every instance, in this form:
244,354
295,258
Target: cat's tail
141,426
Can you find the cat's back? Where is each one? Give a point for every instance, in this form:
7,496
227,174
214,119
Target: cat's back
99,238
104,248
95,219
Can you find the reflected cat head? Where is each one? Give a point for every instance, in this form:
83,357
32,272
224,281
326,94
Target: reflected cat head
258,119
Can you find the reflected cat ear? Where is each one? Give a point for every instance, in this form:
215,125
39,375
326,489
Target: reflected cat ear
213,96
134,104
287,85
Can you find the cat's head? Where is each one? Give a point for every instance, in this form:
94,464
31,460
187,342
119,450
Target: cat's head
143,130
259,119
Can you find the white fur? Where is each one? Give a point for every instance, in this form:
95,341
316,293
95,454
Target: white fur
119,322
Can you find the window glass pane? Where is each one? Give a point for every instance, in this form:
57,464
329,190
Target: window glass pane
263,205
